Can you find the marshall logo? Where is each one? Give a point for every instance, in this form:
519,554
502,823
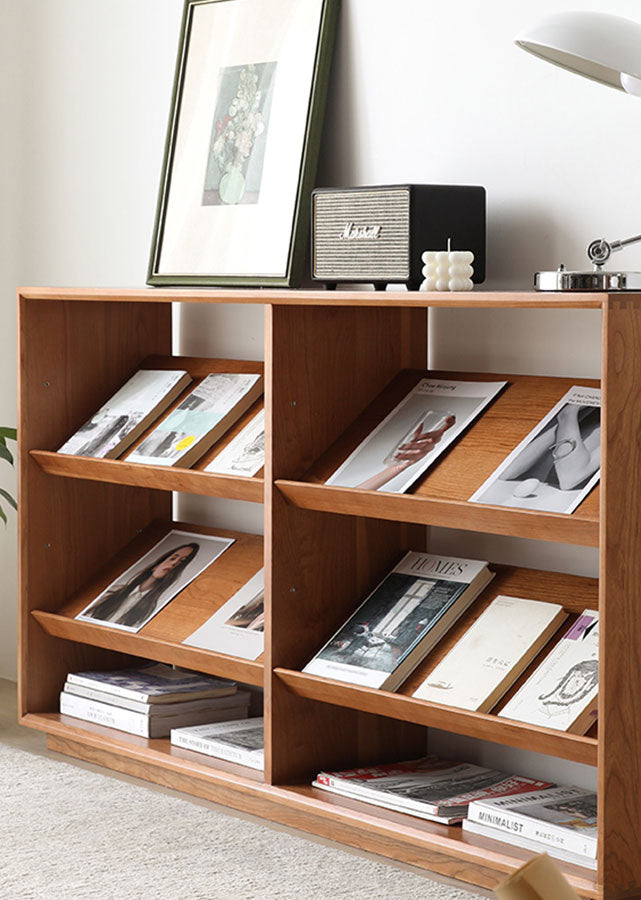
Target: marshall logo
353,232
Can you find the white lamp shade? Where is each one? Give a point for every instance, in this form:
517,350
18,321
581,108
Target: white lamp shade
598,46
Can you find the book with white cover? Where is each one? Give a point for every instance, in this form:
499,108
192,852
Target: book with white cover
238,627
563,691
245,455
492,653
563,817
242,742
556,466
139,723
199,421
123,418
158,709
414,434
431,788
156,683
401,620
517,840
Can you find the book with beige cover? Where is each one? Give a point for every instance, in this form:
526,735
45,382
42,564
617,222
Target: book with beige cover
492,653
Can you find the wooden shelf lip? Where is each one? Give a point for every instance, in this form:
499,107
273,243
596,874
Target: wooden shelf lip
459,721
574,529
428,845
187,481
173,653
286,297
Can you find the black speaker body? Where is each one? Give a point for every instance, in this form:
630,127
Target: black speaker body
377,234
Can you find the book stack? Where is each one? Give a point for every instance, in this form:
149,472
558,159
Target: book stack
151,700
430,788
242,742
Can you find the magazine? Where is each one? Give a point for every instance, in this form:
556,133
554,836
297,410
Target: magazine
563,691
556,466
238,627
154,683
241,742
517,840
123,418
401,620
156,709
199,421
145,588
416,432
492,653
426,787
245,454
562,817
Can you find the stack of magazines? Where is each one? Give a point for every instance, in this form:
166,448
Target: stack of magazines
431,788
151,700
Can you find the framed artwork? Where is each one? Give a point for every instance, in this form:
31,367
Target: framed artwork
242,143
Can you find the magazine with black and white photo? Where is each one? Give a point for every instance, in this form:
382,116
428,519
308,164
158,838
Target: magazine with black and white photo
556,466
124,417
245,454
241,742
154,683
563,691
200,420
401,620
416,432
237,628
145,588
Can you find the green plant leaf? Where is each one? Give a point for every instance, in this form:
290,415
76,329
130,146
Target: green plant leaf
5,453
3,515
7,496
10,433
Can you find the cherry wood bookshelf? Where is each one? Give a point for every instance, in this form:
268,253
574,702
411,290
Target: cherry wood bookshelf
335,363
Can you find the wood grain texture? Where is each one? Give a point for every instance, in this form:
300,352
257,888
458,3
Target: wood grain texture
620,634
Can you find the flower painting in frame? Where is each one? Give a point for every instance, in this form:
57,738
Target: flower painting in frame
242,143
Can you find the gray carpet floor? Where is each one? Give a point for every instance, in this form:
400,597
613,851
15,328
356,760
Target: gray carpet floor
70,830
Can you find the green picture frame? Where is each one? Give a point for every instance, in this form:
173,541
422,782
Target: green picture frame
220,221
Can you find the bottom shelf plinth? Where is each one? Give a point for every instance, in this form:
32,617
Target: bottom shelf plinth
428,845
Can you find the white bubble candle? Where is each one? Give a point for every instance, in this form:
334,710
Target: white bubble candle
447,270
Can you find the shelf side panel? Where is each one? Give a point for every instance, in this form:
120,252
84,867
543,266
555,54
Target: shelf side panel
620,603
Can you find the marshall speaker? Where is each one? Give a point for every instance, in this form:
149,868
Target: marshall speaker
377,234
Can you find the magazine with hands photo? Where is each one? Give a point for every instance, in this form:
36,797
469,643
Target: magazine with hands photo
414,434
556,466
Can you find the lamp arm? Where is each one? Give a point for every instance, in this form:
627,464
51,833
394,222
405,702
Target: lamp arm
599,251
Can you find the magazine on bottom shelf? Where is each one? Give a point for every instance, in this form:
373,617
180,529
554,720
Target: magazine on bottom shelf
556,466
123,418
146,587
414,434
245,454
156,709
154,683
199,421
517,840
492,653
563,691
430,788
401,620
238,627
561,817
141,724
241,742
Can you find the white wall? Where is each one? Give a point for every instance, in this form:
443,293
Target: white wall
421,91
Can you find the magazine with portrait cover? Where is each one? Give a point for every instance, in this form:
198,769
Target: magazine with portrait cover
245,454
492,653
431,788
146,587
123,418
556,466
154,683
416,432
563,691
401,620
238,627
562,817
199,420
241,742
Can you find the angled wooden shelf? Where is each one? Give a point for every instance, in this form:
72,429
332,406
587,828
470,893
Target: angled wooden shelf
170,478
161,639
440,497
